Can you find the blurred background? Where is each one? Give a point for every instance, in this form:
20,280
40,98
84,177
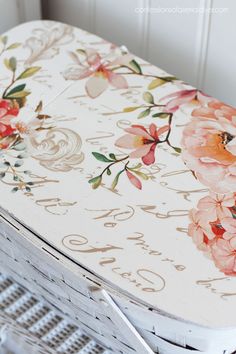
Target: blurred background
183,37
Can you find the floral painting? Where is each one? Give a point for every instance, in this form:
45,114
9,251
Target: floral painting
206,147
20,139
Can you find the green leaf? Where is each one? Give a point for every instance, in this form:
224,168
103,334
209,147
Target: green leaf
148,97
108,172
81,51
2,175
139,165
116,180
177,149
96,182
14,190
141,174
161,115
29,72
16,89
3,39
12,64
135,67
144,114
130,109
13,46
112,156
19,146
39,107
28,189
16,178
101,157
170,78
18,163
22,156
156,83
20,94
6,63
30,183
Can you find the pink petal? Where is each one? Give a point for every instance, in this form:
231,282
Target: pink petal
140,152
173,105
153,130
139,131
203,112
93,58
3,112
203,98
3,128
163,130
150,157
228,200
134,180
206,203
179,98
117,80
126,141
75,73
229,224
95,86
233,243
180,94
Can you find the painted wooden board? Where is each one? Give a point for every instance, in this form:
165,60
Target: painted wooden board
121,167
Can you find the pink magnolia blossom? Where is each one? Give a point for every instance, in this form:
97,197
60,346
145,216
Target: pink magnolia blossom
182,97
143,141
100,72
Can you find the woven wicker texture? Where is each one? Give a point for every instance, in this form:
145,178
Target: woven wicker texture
36,321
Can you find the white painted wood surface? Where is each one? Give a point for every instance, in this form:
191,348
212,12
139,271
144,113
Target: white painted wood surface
14,12
195,45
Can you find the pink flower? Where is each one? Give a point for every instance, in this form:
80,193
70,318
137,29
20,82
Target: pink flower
216,110
217,205
200,230
213,230
143,141
182,97
7,113
229,224
209,148
100,73
224,255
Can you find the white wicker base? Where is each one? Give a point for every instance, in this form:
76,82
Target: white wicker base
69,287
37,324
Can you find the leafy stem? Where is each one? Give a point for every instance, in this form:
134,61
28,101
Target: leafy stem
114,163
13,80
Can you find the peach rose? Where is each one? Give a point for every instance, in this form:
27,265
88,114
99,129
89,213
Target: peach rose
209,146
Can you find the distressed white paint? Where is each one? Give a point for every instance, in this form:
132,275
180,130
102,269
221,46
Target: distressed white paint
197,47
